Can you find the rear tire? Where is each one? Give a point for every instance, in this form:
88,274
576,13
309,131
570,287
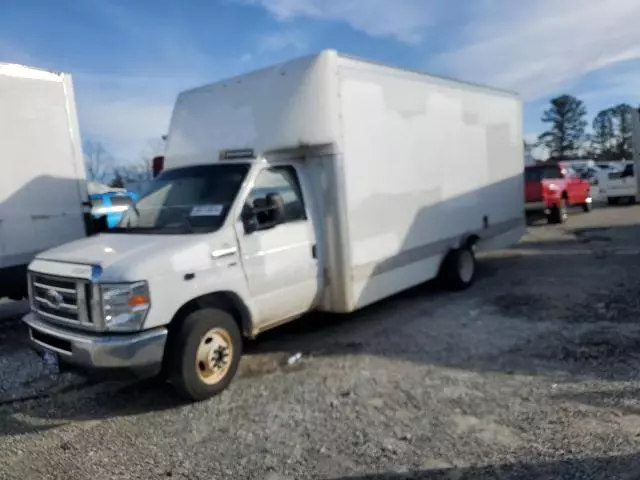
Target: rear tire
458,270
612,200
587,206
204,354
558,213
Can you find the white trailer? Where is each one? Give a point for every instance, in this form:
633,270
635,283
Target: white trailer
42,185
325,183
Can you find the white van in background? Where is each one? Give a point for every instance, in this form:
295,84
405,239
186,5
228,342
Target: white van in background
618,185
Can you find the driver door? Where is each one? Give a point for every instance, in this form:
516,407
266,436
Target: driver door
279,260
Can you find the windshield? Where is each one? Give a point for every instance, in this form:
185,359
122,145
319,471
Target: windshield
186,200
535,174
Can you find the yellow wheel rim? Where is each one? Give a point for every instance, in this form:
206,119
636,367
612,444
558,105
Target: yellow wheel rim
214,356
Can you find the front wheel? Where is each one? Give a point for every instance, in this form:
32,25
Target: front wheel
205,354
458,270
558,213
612,200
587,206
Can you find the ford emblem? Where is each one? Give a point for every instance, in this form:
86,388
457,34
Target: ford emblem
54,298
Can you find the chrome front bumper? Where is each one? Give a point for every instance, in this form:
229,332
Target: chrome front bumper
135,351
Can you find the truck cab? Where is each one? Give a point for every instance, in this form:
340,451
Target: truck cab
550,189
242,228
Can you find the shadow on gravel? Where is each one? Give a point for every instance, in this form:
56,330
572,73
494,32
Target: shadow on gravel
605,468
80,403
626,401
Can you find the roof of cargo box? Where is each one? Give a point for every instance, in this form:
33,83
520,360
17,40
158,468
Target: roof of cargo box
285,106
24,71
432,76
363,60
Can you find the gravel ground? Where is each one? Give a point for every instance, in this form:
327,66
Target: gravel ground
533,373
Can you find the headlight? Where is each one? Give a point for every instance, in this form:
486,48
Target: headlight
125,306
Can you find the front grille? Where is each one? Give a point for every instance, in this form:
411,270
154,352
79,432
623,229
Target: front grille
62,300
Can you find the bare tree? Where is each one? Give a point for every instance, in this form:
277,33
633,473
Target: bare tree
98,162
138,174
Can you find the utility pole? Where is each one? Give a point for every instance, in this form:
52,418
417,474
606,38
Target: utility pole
635,145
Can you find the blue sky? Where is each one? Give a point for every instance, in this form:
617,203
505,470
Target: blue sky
130,58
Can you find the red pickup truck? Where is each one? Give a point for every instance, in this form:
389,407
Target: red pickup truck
550,189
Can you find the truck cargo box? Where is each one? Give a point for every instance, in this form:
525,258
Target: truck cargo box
42,185
412,163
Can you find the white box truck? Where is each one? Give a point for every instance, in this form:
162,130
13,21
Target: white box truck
42,185
325,183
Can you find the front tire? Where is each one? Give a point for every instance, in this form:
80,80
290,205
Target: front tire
587,206
612,200
458,270
205,354
558,213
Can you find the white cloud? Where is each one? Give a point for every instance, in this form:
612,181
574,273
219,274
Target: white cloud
619,85
405,20
536,48
286,39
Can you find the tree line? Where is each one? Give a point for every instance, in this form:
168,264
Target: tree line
103,168
568,136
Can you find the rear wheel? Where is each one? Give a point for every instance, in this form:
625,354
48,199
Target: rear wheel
587,206
612,200
558,213
205,354
458,270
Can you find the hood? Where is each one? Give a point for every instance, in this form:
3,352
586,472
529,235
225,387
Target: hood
130,257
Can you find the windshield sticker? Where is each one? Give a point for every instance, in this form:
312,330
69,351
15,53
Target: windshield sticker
207,210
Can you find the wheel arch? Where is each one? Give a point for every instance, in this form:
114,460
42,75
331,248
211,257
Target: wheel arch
226,300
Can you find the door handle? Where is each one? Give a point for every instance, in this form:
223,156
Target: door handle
314,251
224,252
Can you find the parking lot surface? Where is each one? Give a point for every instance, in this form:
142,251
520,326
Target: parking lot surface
533,373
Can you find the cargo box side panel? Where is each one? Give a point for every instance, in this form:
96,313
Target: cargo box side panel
40,192
426,162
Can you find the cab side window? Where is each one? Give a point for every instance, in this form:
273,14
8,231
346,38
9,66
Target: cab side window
279,184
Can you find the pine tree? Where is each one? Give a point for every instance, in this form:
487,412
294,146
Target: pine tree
566,135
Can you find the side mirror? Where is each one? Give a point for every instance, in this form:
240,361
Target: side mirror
275,204
157,165
267,212
249,220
